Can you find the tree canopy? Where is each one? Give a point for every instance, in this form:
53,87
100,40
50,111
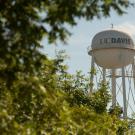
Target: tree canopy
37,95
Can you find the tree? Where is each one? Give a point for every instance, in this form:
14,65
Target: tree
26,96
24,23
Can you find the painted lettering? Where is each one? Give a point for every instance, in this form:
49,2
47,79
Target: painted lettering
115,40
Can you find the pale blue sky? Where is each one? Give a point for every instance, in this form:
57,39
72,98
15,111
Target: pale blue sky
82,35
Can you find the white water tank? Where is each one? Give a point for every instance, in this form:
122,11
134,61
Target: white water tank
112,49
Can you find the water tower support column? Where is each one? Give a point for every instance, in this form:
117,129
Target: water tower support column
92,74
124,94
133,70
104,74
113,88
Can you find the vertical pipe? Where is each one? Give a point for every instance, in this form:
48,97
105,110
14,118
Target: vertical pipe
133,70
113,88
104,74
92,75
124,93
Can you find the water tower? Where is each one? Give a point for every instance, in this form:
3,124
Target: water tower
112,55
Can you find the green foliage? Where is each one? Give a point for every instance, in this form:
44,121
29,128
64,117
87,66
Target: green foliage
117,110
37,95
100,99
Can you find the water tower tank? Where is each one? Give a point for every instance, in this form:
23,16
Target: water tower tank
112,49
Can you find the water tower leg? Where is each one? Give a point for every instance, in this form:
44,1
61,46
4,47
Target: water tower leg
104,74
113,88
124,93
133,70
92,75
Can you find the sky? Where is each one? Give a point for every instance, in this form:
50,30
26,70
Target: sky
82,35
